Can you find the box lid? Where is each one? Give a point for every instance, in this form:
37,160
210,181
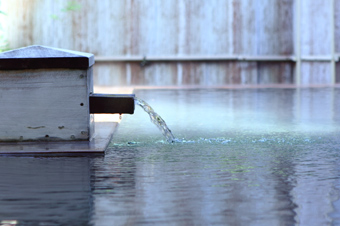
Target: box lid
39,57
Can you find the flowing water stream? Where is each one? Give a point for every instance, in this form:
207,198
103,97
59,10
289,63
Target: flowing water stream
157,120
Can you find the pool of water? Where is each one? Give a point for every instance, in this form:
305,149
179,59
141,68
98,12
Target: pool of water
246,157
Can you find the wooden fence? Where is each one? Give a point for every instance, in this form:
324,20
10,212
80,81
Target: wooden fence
187,42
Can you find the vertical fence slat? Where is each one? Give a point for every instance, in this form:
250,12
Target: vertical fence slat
316,39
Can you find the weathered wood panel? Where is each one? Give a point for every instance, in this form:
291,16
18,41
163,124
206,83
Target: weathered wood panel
337,75
315,31
157,74
106,74
194,73
315,73
316,40
42,104
273,26
179,27
337,25
219,73
18,24
148,27
281,72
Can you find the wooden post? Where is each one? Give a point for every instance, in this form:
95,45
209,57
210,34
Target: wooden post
332,24
297,42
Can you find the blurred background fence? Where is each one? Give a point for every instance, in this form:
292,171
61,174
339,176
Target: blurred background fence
186,42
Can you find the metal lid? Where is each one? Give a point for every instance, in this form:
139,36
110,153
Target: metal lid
39,57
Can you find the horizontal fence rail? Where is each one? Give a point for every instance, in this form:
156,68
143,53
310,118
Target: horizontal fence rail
214,58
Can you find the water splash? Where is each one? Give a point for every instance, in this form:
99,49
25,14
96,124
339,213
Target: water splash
266,139
157,120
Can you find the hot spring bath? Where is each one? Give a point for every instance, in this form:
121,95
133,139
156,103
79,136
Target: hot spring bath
246,157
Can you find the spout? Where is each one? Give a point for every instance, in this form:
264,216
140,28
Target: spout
112,103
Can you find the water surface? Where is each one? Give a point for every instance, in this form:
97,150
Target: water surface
247,157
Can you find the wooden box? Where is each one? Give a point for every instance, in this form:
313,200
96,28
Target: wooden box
44,95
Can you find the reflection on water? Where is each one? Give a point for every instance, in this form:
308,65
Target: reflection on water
44,191
248,157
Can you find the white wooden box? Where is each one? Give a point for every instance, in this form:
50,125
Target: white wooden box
44,95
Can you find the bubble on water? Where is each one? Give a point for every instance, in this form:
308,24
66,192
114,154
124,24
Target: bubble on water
225,141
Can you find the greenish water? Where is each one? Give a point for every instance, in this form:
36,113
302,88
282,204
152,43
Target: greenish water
246,157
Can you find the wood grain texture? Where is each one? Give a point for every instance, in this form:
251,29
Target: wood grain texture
44,105
337,75
175,28
315,73
337,26
194,73
316,38
97,144
169,27
315,29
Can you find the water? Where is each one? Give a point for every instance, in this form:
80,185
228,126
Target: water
247,157
156,119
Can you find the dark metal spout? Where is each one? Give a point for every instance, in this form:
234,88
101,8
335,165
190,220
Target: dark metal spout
112,103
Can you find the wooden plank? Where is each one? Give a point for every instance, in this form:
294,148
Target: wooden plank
297,43
97,144
196,57
315,73
18,23
207,28
270,72
157,74
274,27
315,18
37,57
105,74
332,43
337,26
337,75
202,73
316,38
